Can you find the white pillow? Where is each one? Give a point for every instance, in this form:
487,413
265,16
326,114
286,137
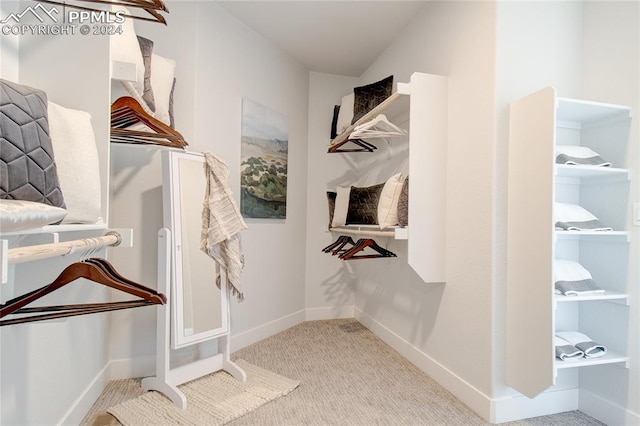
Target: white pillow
162,74
568,270
74,148
564,212
20,215
388,203
341,206
346,113
125,48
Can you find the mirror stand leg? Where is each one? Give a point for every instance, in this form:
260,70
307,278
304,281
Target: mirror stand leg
170,391
228,365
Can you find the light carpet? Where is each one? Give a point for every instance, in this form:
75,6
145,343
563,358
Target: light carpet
214,399
348,376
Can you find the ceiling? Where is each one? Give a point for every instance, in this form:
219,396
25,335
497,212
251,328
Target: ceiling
334,37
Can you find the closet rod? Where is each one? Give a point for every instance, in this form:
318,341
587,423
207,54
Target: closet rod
397,233
45,251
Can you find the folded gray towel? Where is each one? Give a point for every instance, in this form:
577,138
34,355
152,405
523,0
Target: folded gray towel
584,343
566,351
574,161
589,225
576,288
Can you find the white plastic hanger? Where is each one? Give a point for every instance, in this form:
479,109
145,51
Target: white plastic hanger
379,127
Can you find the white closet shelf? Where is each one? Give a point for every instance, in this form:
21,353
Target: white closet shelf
393,106
595,173
613,236
581,111
372,231
57,229
609,358
607,296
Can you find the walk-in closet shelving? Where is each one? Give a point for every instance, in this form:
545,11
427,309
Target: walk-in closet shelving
62,71
539,124
394,106
424,100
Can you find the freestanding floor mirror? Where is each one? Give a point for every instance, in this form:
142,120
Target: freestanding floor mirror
197,310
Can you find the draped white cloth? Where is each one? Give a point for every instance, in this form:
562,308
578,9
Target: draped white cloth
221,225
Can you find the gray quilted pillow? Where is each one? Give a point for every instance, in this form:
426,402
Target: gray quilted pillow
403,204
27,167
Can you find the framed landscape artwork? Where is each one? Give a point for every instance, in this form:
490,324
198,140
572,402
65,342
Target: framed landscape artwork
264,158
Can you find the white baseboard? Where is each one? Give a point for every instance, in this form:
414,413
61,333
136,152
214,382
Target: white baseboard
520,407
337,312
246,338
127,368
85,401
493,410
474,398
606,411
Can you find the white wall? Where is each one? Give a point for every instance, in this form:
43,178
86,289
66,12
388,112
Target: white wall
329,282
220,61
9,45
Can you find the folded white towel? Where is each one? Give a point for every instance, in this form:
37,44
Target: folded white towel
581,341
579,155
572,217
565,351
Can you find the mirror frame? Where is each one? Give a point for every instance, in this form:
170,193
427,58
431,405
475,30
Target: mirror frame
171,195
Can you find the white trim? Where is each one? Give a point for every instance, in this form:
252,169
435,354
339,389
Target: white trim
127,368
493,410
474,398
606,411
249,337
520,407
329,312
84,402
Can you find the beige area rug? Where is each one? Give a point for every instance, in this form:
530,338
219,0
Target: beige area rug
214,399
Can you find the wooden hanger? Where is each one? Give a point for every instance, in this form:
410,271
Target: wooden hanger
150,6
361,245
92,270
338,244
64,311
126,111
109,269
364,146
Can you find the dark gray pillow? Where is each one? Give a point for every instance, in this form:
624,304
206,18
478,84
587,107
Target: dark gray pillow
334,121
27,166
363,205
403,204
146,47
331,199
370,96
